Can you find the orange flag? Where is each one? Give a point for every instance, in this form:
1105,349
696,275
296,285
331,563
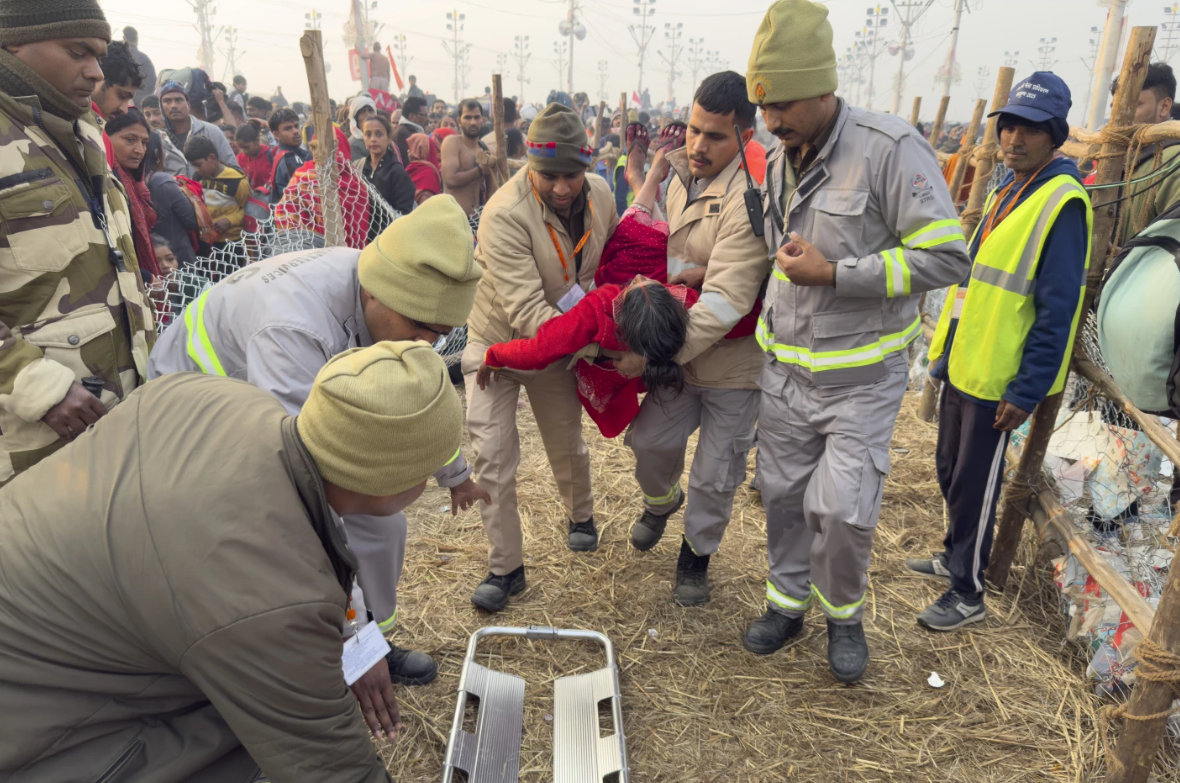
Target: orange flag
397,76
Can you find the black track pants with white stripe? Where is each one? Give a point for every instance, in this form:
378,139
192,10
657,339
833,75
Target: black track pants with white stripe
970,465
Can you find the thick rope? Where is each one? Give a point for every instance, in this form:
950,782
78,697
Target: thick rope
1155,665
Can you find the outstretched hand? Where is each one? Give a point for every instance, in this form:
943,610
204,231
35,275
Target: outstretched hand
374,692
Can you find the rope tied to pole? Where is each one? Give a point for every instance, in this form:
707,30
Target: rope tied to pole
1156,664
986,151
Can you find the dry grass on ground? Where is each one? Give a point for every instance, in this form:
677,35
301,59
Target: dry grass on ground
697,706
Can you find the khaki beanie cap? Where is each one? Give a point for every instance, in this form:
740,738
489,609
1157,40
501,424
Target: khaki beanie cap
792,58
30,21
423,265
557,142
382,419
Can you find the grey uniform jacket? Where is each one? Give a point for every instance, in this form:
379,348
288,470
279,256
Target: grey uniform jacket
275,324
875,203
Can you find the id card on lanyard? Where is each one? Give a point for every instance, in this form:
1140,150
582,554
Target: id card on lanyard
557,243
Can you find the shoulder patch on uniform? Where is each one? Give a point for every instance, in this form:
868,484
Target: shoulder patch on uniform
892,126
715,208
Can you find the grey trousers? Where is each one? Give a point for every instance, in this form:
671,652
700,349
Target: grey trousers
659,436
823,454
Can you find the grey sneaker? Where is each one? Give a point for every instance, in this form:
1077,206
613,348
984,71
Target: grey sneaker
583,536
932,568
953,610
410,667
493,593
649,528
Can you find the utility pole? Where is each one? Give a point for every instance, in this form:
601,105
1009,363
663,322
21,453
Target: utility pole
603,71
949,68
205,11
1171,31
560,50
311,20
874,21
231,53
642,33
1011,59
672,34
502,65
696,58
520,53
1108,50
1045,49
399,43
913,12
454,49
362,45
1090,63
571,28
982,81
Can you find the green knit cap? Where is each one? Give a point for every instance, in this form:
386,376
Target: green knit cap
30,21
792,58
557,142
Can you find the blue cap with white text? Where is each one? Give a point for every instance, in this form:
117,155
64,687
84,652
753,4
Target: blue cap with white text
1038,98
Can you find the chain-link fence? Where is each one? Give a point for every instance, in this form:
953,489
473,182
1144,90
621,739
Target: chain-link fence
347,209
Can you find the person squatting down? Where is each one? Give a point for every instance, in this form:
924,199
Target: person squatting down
861,222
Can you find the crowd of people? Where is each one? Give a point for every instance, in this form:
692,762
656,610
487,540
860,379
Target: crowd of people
193,525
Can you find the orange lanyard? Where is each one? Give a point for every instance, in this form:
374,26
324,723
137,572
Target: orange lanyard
553,234
994,218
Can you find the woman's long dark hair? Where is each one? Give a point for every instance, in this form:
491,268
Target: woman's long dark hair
654,324
125,120
154,161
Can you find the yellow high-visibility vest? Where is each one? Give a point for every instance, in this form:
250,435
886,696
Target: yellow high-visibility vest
996,311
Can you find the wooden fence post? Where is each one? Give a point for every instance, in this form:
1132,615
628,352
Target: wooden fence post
985,156
311,46
966,150
599,118
939,121
917,109
498,129
1044,420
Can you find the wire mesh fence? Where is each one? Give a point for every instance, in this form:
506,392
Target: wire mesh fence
317,206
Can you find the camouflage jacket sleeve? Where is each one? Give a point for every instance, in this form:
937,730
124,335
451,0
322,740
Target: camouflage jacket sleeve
30,384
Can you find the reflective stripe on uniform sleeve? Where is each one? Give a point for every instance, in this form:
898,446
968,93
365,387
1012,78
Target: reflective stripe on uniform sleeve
780,274
897,273
785,601
937,233
726,313
819,361
837,612
451,461
200,347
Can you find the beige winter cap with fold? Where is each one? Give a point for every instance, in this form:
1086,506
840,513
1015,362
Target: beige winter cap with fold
792,58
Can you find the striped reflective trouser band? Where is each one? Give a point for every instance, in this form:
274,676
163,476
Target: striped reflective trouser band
663,500
387,626
818,361
934,234
780,599
200,347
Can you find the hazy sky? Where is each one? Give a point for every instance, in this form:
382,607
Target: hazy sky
269,30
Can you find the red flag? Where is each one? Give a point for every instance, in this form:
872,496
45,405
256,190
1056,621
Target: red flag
397,76
635,96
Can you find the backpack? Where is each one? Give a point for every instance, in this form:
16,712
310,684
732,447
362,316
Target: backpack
1138,316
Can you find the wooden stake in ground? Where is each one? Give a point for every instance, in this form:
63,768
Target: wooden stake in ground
966,150
917,109
501,167
1015,508
623,115
939,121
985,157
311,46
599,118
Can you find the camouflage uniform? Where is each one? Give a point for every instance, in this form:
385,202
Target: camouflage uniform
69,310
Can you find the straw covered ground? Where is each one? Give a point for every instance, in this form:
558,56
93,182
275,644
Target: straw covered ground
697,706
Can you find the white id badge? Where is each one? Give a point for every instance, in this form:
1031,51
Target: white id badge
571,298
362,651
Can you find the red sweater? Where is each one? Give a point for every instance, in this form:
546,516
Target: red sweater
610,399
259,169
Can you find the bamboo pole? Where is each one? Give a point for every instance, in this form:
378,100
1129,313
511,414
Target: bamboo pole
917,109
1015,507
985,159
939,120
499,130
311,46
599,118
966,149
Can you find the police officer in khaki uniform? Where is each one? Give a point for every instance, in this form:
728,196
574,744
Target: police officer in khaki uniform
861,221
711,246
540,239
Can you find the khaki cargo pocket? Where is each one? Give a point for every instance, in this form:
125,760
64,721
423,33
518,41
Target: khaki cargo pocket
64,342
731,469
872,487
43,228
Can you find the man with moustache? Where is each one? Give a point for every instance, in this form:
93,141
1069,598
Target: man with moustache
861,221
466,167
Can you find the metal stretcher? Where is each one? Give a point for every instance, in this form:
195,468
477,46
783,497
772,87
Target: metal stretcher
580,754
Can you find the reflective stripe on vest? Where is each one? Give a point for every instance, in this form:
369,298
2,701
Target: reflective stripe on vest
818,361
200,347
996,311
